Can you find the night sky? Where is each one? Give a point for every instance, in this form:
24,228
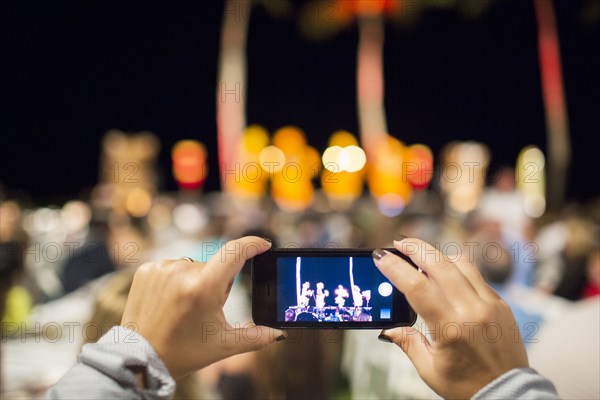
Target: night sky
83,68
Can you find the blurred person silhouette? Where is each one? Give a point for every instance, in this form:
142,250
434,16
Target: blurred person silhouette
503,204
497,263
172,303
530,308
580,278
108,247
592,287
18,291
90,260
15,302
564,246
120,201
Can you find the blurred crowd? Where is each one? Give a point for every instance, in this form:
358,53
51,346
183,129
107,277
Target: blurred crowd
66,271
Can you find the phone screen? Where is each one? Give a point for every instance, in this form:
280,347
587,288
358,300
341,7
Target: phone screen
325,288
332,289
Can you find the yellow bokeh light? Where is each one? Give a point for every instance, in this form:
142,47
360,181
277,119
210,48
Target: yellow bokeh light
271,159
255,139
531,180
390,154
138,202
292,195
535,156
342,139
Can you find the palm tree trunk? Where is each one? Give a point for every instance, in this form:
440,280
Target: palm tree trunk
557,125
370,81
231,84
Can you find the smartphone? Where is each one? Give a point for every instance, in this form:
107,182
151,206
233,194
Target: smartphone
325,289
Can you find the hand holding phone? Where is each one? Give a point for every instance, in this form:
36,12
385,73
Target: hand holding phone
325,289
177,306
473,339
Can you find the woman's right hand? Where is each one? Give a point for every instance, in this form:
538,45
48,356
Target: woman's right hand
474,336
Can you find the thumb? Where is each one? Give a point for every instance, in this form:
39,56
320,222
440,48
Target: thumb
254,337
414,344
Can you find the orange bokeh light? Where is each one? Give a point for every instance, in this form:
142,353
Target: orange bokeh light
290,140
419,170
189,164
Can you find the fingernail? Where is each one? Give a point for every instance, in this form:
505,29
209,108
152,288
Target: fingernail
268,242
399,238
384,338
378,254
280,338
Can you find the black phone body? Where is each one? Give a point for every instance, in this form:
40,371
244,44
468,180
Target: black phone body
325,289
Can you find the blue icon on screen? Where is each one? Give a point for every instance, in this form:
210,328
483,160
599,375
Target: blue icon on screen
385,313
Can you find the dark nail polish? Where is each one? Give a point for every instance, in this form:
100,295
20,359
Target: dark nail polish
385,338
399,238
280,338
378,254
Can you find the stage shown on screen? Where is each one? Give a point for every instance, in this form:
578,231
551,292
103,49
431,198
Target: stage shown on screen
332,289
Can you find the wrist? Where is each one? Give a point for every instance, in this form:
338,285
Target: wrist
140,377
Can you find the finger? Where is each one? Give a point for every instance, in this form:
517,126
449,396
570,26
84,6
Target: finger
470,271
425,297
441,270
414,344
253,337
230,258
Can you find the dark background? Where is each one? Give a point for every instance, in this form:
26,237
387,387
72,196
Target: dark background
80,69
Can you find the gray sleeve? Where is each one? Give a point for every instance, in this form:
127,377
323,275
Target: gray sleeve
104,370
518,383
